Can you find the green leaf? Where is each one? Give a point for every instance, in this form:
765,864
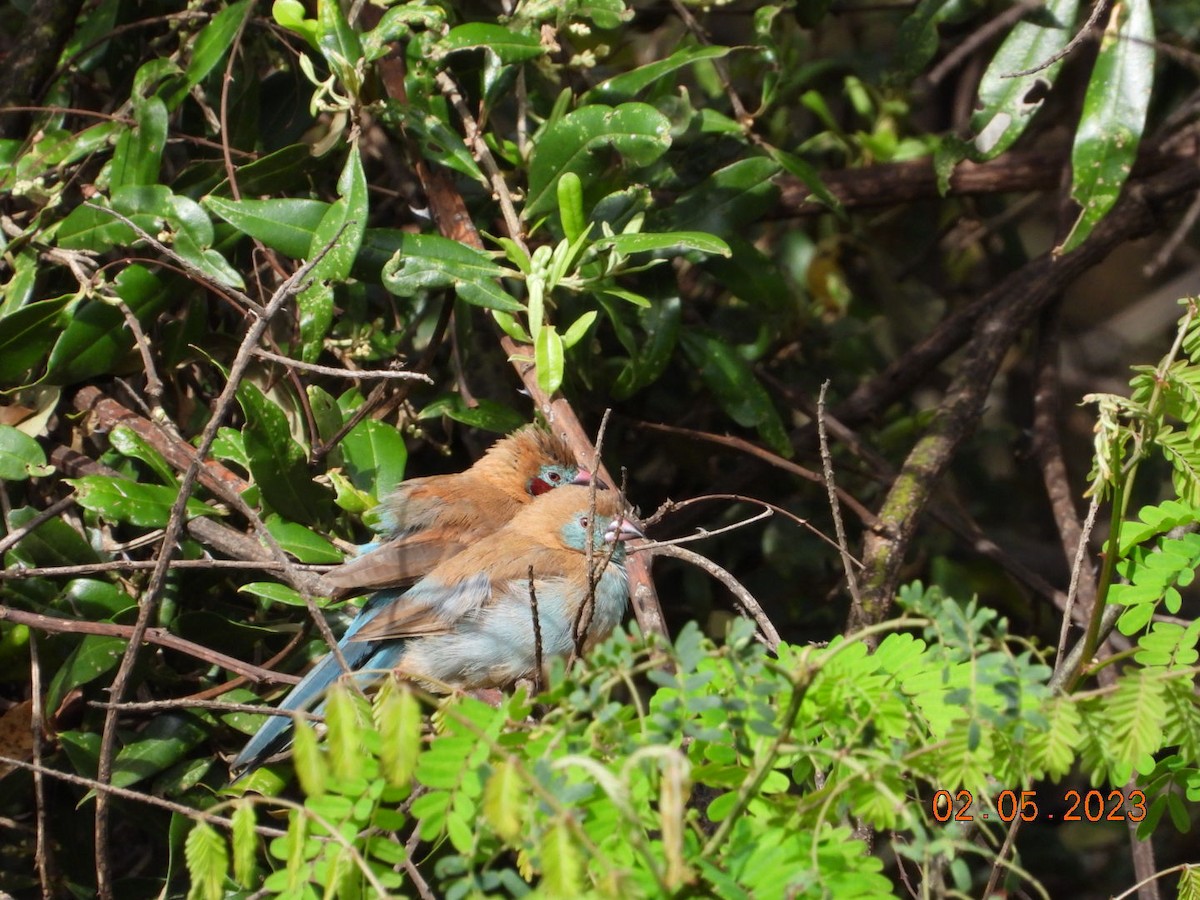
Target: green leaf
1008,104
53,543
344,737
129,443
291,15
375,456
21,457
427,262
339,43
579,328
504,800
660,322
562,864
279,465
342,226
121,500
97,339
737,390
245,843
441,143
307,758
570,206
89,228
1114,116
398,718
168,738
27,334
138,154
210,47
303,543
673,241
628,85
207,862
548,356
284,224
274,591
510,46
485,414
95,656
574,143
728,200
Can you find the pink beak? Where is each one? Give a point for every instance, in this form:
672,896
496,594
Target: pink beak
621,530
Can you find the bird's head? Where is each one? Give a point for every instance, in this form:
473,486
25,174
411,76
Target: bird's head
530,462
568,514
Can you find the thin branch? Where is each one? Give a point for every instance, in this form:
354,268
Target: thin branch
981,36
16,573
158,636
863,514
335,372
749,605
672,505
108,790
19,534
1097,9
482,153
537,635
704,533
839,526
44,847
188,267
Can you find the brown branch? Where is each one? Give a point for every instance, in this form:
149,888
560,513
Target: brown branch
863,514
158,636
1010,306
749,605
107,413
889,184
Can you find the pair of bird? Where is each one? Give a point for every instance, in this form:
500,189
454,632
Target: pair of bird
455,578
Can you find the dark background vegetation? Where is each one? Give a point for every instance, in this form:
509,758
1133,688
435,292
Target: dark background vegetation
929,310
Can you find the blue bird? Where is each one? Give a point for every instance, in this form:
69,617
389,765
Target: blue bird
468,624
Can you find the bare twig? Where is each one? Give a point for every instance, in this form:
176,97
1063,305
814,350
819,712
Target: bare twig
18,534
188,267
109,790
744,598
1097,9
537,635
37,722
672,505
839,526
979,37
703,533
158,636
16,573
483,154
863,514
335,372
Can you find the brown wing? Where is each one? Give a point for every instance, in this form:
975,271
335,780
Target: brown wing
395,564
431,607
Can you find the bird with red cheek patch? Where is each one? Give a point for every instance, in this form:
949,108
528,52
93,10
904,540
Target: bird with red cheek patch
429,520
469,623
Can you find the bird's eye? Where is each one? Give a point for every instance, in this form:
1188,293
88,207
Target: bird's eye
554,476
583,520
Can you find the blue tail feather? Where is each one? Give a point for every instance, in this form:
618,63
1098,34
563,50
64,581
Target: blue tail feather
275,734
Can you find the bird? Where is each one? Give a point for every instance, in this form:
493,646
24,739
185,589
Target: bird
469,623
427,520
